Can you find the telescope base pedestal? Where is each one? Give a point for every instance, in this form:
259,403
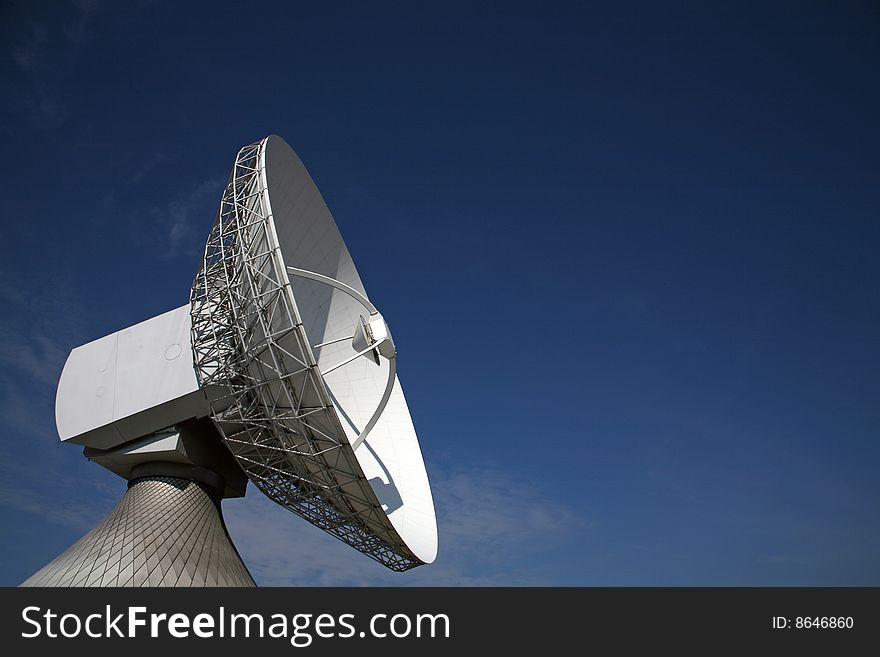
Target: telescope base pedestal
165,531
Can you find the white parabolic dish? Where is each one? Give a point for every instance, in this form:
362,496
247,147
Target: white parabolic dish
276,306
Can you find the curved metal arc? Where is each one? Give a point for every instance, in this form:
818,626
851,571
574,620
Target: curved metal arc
339,285
350,359
389,387
392,362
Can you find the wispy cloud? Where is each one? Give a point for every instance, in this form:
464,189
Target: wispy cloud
180,227
41,105
22,410
44,55
155,160
37,475
494,530
27,53
35,344
58,485
37,355
78,30
76,514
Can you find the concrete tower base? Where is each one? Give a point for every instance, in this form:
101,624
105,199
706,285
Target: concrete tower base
166,531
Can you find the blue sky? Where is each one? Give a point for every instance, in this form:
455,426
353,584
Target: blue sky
629,255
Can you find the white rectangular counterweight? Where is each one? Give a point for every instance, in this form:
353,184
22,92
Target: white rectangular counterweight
130,384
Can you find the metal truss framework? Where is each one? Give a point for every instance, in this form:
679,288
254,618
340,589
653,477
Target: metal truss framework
267,395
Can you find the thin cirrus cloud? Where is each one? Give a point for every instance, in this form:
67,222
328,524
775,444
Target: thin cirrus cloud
30,50
493,530
37,356
77,31
35,344
44,55
39,477
147,166
177,228
33,347
78,514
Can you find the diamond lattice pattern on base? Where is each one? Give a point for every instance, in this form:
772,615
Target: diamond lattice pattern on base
165,531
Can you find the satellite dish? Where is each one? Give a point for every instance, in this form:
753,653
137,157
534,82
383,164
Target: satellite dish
281,371
311,406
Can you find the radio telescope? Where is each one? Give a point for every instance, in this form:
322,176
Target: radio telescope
279,372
